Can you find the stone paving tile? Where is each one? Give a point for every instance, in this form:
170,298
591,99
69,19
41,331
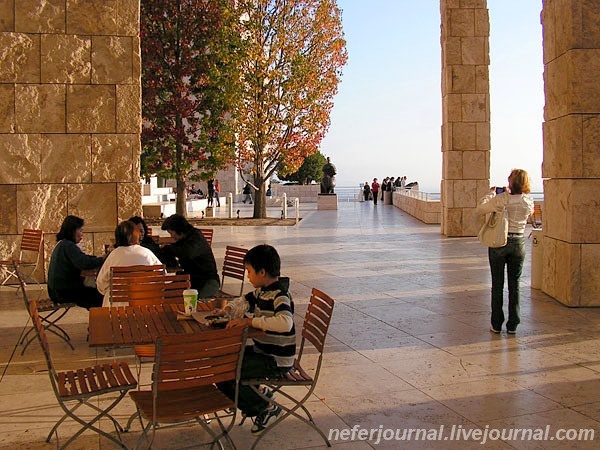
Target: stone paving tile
408,347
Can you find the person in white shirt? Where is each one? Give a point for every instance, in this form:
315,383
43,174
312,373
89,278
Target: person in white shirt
127,252
519,206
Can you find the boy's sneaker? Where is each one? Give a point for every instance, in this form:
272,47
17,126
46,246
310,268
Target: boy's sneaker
260,422
266,392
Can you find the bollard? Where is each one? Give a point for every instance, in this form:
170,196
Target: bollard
297,207
284,206
537,258
230,205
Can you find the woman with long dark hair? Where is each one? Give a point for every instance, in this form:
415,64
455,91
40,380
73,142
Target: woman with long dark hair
65,283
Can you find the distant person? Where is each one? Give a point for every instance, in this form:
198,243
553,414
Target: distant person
210,187
391,184
366,191
65,283
403,182
519,206
217,190
247,193
193,254
398,182
269,191
127,252
375,190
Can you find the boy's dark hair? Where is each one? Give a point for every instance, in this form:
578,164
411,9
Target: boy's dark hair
178,224
126,234
264,257
68,228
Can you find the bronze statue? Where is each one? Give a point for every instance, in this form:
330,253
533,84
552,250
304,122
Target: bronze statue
328,180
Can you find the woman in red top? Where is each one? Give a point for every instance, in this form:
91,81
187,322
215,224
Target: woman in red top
375,190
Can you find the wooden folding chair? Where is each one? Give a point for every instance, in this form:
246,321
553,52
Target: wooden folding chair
49,312
233,267
186,371
82,386
30,251
167,289
314,331
208,235
124,278
536,217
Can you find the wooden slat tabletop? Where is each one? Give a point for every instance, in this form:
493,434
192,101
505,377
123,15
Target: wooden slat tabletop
137,325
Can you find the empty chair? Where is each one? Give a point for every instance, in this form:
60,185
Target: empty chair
27,261
208,234
183,388
49,313
314,331
79,387
233,267
536,217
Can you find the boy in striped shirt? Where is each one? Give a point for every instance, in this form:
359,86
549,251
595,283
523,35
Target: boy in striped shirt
273,352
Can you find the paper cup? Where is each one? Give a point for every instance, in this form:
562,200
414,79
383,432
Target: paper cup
190,300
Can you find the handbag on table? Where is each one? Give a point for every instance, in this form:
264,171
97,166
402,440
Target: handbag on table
494,232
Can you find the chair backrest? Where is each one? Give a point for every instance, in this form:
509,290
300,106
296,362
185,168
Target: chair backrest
125,279
317,320
208,234
199,359
31,241
536,216
41,334
233,265
169,290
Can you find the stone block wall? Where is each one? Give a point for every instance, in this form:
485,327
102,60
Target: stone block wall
465,113
70,115
571,164
427,211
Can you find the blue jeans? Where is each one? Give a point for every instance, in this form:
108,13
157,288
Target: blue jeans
512,255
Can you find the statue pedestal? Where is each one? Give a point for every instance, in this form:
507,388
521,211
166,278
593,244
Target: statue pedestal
327,201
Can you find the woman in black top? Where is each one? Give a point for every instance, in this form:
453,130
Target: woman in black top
65,283
193,254
145,239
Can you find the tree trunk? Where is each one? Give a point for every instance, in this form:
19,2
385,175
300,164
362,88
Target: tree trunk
180,198
260,203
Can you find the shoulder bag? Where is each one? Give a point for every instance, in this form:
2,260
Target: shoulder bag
494,231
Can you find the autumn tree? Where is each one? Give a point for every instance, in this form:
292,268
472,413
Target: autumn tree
190,83
295,50
310,170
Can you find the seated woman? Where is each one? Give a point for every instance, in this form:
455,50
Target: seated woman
193,253
145,239
127,252
65,283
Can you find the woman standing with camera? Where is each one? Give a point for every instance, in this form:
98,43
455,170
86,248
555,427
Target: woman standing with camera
519,206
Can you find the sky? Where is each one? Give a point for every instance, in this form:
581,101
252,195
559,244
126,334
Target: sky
387,118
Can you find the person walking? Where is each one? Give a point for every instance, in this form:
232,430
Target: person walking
210,186
247,193
366,191
519,206
375,190
217,190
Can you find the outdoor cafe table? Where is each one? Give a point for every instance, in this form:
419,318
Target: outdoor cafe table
138,325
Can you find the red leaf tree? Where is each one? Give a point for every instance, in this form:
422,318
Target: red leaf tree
295,50
190,83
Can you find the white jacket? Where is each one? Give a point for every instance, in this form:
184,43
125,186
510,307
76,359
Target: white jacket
132,255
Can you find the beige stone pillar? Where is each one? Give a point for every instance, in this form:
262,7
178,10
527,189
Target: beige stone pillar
571,222
465,113
70,115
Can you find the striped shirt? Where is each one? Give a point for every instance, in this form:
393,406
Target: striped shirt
273,310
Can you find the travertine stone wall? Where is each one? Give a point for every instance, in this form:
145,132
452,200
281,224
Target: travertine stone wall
572,151
465,113
70,115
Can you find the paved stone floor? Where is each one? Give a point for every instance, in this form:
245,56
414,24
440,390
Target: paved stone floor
409,345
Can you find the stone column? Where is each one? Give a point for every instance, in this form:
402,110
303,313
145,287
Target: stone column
70,115
571,222
465,113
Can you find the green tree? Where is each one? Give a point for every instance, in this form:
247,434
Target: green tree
310,170
190,85
295,50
